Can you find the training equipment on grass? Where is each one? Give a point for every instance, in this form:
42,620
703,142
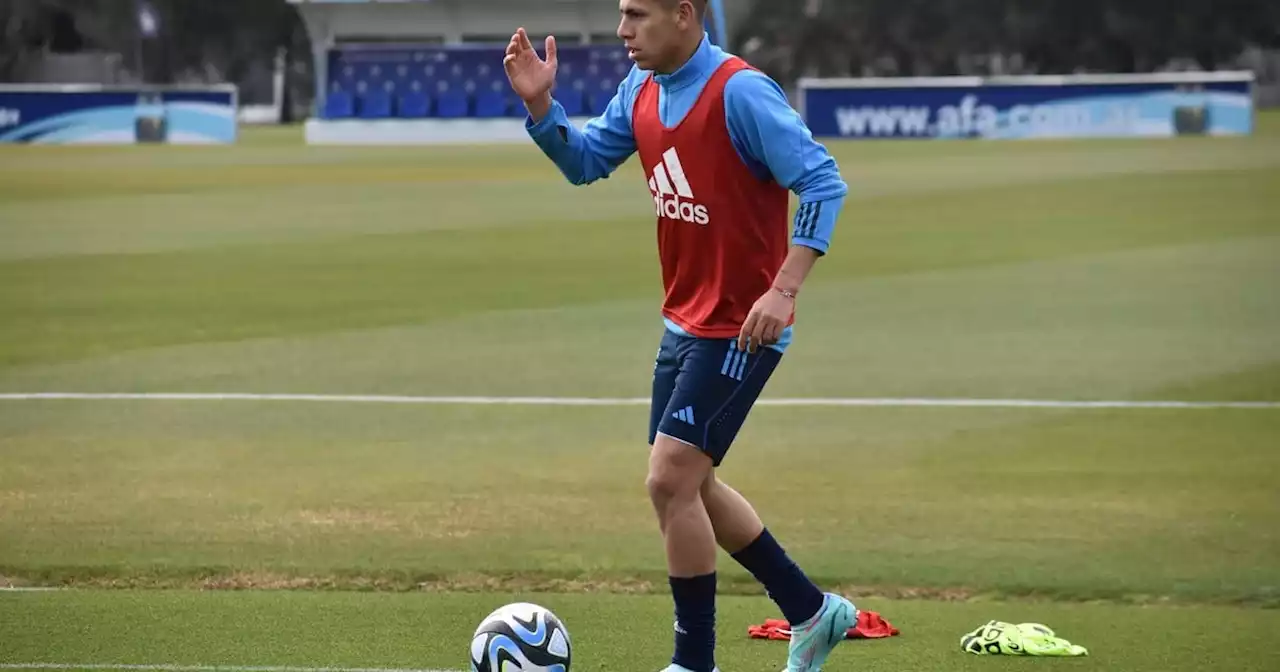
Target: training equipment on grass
870,625
1024,639
520,636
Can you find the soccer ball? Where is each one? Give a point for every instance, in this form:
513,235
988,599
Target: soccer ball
520,636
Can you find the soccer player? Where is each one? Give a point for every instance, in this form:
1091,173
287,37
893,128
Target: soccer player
721,150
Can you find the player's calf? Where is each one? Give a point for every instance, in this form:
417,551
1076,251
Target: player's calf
734,520
676,473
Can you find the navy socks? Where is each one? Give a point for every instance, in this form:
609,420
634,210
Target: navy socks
797,596
695,599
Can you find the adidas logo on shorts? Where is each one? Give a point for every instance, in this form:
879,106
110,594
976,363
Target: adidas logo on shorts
666,200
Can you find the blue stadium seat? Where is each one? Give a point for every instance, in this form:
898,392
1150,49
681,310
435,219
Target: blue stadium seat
598,103
457,74
515,107
414,105
339,105
401,75
452,104
600,94
484,73
413,81
375,104
372,74
491,83
491,104
427,72
345,75
571,99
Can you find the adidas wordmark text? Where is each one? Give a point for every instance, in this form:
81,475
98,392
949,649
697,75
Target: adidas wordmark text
669,185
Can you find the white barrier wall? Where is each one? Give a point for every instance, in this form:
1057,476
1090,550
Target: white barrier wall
1074,106
93,114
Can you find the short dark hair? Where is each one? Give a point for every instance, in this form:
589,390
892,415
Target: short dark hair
699,6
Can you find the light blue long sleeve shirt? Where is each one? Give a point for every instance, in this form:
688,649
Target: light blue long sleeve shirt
768,134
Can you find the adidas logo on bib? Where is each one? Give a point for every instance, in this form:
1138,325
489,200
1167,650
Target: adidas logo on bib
667,200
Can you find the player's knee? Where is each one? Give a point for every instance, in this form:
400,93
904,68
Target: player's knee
662,489
669,485
676,472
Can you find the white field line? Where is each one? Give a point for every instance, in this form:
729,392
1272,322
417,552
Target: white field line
634,401
205,668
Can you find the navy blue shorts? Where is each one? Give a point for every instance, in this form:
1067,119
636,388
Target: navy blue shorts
704,388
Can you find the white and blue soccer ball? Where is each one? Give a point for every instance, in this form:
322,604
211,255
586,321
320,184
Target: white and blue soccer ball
520,637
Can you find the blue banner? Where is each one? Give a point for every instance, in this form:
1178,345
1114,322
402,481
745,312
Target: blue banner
1031,107
76,114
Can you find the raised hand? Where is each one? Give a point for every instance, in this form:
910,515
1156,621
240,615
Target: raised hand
531,77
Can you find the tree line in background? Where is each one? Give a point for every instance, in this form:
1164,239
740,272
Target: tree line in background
186,38
792,38
237,40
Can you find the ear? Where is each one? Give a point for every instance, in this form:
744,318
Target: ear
686,13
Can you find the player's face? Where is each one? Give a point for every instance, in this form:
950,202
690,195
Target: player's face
652,32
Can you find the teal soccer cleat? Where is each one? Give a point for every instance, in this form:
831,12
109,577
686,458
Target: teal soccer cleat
813,640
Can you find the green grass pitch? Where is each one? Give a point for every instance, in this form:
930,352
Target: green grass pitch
359,535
